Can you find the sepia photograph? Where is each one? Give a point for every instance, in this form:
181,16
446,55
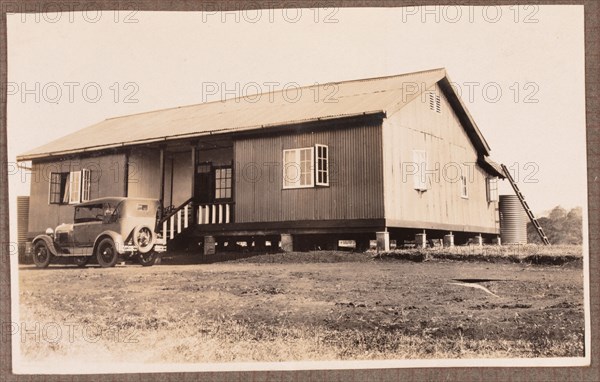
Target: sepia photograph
296,188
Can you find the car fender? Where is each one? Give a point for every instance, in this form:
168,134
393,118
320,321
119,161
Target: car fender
49,243
116,238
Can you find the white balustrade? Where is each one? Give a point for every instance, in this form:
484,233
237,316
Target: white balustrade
213,213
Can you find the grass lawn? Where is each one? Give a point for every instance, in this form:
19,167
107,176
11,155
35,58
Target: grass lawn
304,306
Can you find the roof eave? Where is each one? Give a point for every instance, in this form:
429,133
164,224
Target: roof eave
490,167
28,157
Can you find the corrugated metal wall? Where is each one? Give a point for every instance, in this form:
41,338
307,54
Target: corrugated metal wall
448,148
144,173
107,179
356,184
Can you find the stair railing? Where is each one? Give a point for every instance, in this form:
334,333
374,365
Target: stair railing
176,220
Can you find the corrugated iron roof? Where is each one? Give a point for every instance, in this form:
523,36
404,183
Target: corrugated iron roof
296,105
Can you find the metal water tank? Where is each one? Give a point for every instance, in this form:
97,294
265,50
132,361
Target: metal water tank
22,224
513,220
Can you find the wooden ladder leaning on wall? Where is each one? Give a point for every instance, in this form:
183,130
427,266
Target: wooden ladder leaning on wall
532,218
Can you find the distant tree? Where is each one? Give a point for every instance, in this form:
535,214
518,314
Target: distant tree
560,226
557,213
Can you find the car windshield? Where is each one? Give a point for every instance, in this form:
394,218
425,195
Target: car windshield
90,213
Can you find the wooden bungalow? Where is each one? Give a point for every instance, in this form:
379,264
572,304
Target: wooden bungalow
383,158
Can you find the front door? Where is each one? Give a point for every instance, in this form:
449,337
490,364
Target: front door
204,183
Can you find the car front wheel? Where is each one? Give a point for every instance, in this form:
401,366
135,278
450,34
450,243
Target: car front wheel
107,253
147,259
41,254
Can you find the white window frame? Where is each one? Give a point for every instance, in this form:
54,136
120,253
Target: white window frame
50,187
80,181
221,182
492,189
74,184
86,184
464,189
420,177
286,165
321,171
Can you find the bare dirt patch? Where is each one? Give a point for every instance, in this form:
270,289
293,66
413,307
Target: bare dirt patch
301,310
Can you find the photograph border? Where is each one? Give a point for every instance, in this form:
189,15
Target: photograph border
419,373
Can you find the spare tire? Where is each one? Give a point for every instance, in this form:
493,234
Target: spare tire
143,238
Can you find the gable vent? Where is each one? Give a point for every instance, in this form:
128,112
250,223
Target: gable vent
435,102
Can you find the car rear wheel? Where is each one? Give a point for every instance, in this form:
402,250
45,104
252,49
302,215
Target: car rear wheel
107,253
41,254
147,259
81,261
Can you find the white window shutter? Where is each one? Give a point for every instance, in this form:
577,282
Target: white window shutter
464,191
420,161
291,168
299,168
307,167
85,185
492,189
322,165
74,187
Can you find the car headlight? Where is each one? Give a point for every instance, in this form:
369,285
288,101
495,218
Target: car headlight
49,232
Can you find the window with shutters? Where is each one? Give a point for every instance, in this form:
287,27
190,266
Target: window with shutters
69,187
420,175
492,189
306,167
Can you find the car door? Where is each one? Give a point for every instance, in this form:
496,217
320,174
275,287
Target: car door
88,224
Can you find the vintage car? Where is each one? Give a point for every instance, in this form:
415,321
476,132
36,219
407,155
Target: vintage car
108,228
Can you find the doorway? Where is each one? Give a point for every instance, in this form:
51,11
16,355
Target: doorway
204,185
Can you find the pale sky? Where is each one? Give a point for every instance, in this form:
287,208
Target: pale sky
529,54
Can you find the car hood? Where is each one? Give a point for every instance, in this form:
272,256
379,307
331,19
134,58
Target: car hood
64,228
